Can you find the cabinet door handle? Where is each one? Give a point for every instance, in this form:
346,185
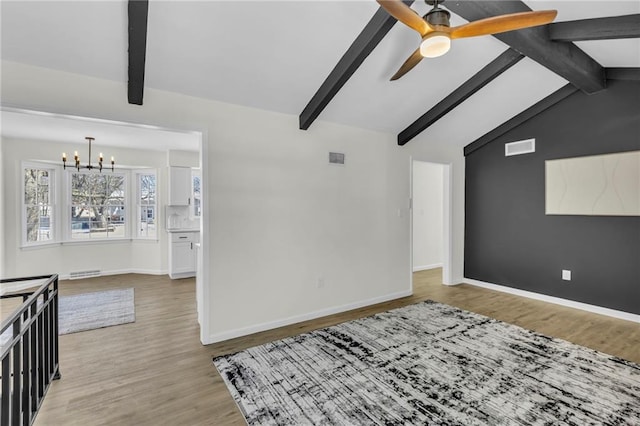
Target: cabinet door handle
191,246
183,238
189,201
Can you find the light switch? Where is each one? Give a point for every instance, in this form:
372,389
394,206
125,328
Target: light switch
566,275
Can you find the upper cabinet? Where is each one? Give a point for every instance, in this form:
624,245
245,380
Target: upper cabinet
180,186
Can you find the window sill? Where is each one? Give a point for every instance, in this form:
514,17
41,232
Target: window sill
88,242
93,242
28,247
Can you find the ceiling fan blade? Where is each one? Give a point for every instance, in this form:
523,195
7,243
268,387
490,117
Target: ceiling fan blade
504,23
408,65
406,15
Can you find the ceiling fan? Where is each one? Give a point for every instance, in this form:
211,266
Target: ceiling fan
437,34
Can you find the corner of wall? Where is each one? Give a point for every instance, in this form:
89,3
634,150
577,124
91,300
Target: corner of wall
2,217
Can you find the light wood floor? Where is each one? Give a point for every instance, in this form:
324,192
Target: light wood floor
156,372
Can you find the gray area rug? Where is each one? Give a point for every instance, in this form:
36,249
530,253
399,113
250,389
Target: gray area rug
430,363
88,311
99,309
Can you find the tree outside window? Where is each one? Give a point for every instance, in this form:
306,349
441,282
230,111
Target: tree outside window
147,205
196,195
38,206
98,206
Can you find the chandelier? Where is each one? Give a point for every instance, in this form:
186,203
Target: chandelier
76,158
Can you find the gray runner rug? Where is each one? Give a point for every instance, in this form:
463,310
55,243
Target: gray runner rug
99,309
434,364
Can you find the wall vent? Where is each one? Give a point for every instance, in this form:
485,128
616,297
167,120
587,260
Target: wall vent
336,158
520,147
84,274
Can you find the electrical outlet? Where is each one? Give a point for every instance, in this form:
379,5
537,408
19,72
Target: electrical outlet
566,275
320,282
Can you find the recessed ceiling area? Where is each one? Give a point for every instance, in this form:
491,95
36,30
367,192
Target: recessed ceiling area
62,128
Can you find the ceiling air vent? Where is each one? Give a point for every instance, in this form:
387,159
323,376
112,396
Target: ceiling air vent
336,158
520,147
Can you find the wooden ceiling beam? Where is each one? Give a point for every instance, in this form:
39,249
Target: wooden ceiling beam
138,11
630,74
363,45
525,115
614,27
496,67
565,59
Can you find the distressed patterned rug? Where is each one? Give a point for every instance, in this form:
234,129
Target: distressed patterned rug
430,363
88,311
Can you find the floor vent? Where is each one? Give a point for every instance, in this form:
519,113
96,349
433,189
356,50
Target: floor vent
520,147
84,274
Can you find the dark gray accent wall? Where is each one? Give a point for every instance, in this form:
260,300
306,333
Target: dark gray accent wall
508,238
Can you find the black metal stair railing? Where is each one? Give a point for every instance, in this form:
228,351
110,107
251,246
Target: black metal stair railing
29,351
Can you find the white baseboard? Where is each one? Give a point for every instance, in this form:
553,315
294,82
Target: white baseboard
122,271
148,271
182,275
425,267
556,300
244,331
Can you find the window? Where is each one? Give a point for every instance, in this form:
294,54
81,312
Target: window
89,206
146,205
98,206
196,194
38,205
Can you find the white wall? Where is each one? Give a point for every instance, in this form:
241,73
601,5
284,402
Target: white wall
109,257
427,215
277,216
180,158
2,213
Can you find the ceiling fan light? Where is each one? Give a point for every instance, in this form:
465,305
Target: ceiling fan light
435,44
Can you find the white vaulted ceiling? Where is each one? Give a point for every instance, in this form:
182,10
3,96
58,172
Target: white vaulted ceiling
274,55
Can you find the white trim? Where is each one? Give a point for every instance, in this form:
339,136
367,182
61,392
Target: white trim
205,236
148,271
447,222
426,267
181,275
96,241
126,203
411,161
556,300
90,242
121,272
231,334
54,218
135,212
13,108
40,246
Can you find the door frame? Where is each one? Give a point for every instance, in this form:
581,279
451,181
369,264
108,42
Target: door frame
447,220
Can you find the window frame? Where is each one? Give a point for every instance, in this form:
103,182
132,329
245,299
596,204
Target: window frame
193,213
60,202
68,204
138,206
55,218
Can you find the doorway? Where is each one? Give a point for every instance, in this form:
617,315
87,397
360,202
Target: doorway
430,218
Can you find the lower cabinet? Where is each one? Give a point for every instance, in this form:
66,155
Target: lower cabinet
182,254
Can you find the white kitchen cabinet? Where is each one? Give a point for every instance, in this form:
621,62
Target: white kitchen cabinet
179,186
182,254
